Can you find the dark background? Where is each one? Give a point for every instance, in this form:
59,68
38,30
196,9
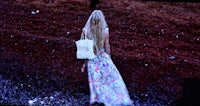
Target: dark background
154,44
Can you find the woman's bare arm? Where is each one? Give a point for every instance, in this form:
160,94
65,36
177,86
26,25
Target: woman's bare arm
106,42
84,66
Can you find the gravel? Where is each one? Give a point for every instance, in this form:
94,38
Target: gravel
14,93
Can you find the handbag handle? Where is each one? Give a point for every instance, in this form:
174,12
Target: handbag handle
83,35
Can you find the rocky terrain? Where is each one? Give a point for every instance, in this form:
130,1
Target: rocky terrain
154,44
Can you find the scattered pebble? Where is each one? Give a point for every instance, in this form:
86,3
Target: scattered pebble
172,57
162,31
46,41
35,12
186,60
177,36
67,34
30,102
53,50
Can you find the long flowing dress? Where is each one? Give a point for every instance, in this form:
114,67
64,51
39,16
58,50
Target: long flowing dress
105,82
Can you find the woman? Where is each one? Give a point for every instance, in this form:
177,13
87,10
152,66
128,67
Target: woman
105,82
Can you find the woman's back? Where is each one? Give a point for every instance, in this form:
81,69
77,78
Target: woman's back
95,30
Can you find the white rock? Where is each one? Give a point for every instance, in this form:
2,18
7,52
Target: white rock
33,12
30,102
37,11
172,57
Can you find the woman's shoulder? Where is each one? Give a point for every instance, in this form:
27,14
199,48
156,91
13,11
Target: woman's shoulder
106,32
84,30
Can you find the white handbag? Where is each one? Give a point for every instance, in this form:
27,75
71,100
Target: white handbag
85,48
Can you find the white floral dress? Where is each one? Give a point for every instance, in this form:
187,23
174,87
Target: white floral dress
105,82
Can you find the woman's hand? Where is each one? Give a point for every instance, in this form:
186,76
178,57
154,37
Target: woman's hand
84,67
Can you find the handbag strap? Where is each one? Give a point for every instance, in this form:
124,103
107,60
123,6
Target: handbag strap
83,35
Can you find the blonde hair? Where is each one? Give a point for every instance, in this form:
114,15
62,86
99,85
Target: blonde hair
94,28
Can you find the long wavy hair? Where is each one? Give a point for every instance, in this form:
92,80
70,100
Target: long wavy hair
94,28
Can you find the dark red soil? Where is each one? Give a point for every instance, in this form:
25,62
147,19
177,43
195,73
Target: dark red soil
155,45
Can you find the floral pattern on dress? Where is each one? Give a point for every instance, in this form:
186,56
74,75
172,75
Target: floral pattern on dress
105,82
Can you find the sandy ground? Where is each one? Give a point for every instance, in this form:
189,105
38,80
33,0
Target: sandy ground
155,46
